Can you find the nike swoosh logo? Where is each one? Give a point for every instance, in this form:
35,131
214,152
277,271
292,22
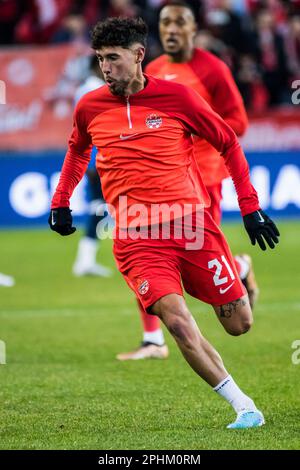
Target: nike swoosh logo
222,291
129,136
261,219
52,219
171,76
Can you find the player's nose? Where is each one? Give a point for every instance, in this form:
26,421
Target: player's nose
172,28
106,67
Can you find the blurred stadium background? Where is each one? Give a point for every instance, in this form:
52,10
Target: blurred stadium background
62,387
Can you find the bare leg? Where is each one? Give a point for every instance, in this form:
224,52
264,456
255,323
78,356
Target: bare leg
197,351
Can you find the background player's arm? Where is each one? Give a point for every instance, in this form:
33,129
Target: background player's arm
227,100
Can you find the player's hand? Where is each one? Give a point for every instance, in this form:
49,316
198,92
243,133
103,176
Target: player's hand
261,228
60,220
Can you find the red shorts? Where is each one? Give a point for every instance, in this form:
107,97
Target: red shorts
215,194
154,268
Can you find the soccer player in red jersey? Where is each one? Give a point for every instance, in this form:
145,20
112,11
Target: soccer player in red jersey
143,127
212,79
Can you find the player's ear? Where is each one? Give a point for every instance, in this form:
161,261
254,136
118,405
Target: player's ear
140,54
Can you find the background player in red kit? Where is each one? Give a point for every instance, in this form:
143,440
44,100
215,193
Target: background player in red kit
142,127
212,79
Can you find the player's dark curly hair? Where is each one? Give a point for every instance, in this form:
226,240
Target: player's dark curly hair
119,32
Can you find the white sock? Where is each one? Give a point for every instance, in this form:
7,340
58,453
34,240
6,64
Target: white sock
156,337
87,251
229,390
6,281
243,265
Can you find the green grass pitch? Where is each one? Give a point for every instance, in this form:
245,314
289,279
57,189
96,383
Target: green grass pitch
62,387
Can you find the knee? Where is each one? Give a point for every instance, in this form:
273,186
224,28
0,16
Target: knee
178,326
177,319
239,328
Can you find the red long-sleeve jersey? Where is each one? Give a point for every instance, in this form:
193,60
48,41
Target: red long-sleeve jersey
145,147
212,79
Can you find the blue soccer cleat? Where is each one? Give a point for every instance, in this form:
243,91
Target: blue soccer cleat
248,419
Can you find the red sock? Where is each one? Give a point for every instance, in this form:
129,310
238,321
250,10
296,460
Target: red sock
150,322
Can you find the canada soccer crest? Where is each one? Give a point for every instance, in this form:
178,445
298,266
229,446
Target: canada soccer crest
153,121
143,287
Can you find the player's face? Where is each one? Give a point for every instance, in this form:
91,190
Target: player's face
177,29
120,66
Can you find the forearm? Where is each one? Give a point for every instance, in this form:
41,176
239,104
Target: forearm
238,168
72,172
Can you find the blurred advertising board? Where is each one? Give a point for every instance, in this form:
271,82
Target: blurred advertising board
27,183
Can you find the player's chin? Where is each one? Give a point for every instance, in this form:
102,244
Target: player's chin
117,91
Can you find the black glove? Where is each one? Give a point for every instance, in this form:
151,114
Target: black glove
259,227
60,220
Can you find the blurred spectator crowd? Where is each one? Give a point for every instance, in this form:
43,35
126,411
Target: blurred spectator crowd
258,39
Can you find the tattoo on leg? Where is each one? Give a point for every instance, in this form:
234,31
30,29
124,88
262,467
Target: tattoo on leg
226,311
